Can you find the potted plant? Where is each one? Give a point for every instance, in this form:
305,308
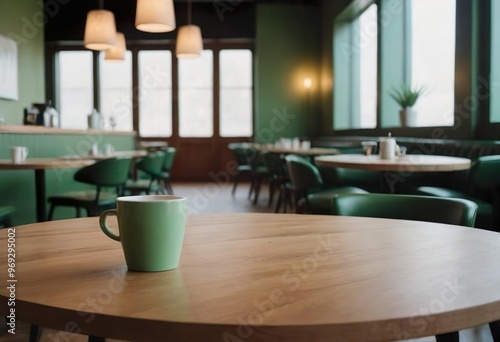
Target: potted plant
406,97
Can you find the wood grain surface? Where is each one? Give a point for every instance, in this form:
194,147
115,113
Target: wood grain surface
270,277
44,163
409,163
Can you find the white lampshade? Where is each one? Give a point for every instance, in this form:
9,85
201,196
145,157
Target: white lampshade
100,30
155,16
117,52
189,42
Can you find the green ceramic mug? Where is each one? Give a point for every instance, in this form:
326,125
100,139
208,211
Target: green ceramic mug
151,230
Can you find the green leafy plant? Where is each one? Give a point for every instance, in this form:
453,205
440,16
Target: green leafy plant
406,96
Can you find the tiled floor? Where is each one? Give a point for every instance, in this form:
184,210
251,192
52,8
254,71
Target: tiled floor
212,197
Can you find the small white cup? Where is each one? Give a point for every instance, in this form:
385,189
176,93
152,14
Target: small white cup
109,150
94,150
18,154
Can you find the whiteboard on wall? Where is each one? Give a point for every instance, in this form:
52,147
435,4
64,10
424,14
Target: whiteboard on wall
8,69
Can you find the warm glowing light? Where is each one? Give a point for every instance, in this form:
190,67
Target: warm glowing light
307,83
100,30
189,42
117,53
155,16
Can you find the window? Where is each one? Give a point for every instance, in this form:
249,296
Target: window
75,88
196,96
494,83
355,66
155,93
416,46
433,60
116,92
194,114
236,93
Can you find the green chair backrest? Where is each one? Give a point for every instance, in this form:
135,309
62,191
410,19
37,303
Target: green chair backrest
304,175
109,172
168,161
485,172
151,164
407,207
275,164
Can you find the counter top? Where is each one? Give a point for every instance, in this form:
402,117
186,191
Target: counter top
32,129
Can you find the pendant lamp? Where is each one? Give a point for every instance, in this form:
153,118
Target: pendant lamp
117,52
189,42
100,29
155,16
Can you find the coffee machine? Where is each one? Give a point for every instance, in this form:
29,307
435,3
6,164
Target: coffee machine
41,114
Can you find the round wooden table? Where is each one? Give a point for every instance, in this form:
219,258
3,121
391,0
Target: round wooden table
266,277
40,165
409,163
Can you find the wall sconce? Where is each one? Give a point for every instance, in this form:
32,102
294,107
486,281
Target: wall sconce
189,42
307,83
117,52
100,29
155,16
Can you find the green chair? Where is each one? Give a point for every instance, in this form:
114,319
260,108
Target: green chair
409,207
241,154
150,167
5,212
109,174
307,184
278,180
168,161
481,187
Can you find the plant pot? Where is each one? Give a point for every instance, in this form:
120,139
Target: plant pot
408,117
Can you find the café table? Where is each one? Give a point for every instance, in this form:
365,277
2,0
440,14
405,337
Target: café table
403,166
134,154
256,276
313,151
39,165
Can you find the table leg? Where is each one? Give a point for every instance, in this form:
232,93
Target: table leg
40,195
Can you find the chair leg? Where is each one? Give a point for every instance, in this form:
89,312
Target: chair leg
272,190
449,337
252,187
280,198
257,190
51,211
170,190
34,333
78,212
236,179
495,331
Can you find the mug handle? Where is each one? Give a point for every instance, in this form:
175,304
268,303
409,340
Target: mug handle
104,226
25,153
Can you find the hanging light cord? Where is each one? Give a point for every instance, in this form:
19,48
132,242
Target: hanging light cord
189,7
101,4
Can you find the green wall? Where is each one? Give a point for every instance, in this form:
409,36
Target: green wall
287,51
22,20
